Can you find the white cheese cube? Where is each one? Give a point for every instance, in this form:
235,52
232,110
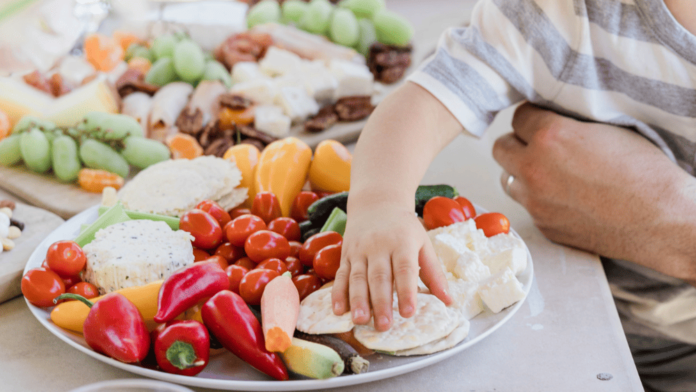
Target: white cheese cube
271,120
478,242
296,103
465,298
353,78
514,258
261,91
501,291
470,268
279,62
504,241
245,71
448,249
460,230
319,80
294,79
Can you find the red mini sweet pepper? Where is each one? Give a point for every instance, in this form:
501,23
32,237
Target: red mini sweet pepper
114,327
182,347
229,319
187,287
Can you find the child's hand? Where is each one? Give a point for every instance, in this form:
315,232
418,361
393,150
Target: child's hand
384,242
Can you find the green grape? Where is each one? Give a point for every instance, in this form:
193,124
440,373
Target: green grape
137,50
392,29
294,10
36,151
163,46
318,17
66,163
344,29
162,72
10,152
98,155
141,152
364,8
92,120
208,56
216,71
189,61
368,36
118,126
28,122
263,12
181,35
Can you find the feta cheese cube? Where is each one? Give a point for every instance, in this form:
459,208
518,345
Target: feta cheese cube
353,78
460,230
279,62
271,120
466,300
296,103
448,249
470,268
501,291
294,79
319,80
245,71
504,241
261,91
478,242
514,258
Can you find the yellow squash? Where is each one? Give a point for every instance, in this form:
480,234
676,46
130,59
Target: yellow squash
246,157
72,314
330,170
282,170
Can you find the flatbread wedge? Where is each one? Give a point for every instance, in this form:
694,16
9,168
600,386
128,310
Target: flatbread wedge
317,317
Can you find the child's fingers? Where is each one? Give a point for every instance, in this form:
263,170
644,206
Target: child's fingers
432,274
339,293
379,276
357,289
405,267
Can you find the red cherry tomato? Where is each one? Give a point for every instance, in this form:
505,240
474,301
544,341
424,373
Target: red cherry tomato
276,265
306,284
71,280
230,252
253,283
441,211
203,227
66,258
246,263
492,223
240,228
200,254
266,244
302,201
327,261
215,210
235,273
323,194
40,286
316,243
45,264
87,290
266,206
287,227
220,260
295,247
467,207
239,211
294,265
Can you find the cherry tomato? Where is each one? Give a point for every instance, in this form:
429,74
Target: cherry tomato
45,264
274,264
302,201
287,227
239,211
294,265
322,194
66,258
87,290
220,260
266,206
203,227
41,286
441,211
327,261
230,252
467,207
316,243
200,254
71,280
295,247
306,284
246,263
215,210
492,223
266,244
240,228
235,273
253,283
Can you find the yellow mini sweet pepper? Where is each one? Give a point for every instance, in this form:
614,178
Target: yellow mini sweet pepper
246,156
330,170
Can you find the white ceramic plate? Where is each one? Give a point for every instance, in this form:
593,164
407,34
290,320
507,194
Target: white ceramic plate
227,372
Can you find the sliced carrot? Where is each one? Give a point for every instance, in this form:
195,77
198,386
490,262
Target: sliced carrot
96,180
231,117
103,52
125,39
141,64
280,306
5,125
184,146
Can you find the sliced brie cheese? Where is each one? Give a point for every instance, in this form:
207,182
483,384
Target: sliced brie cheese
296,103
470,268
261,91
501,291
279,62
271,120
245,71
353,79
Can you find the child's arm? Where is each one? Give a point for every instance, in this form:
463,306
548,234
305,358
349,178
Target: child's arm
384,241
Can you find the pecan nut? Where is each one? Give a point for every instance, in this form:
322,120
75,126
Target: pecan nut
251,132
353,108
323,120
219,147
190,121
234,101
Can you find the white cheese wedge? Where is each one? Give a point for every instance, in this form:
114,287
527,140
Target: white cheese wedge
279,62
470,268
261,91
501,291
353,78
514,258
449,249
296,103
319,80
270,119
245,71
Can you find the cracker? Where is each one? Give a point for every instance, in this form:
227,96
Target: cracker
317,317
458,335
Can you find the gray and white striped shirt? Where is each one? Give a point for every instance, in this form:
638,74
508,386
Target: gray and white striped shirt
621,62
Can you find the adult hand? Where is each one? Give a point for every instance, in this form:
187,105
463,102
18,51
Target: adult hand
603,189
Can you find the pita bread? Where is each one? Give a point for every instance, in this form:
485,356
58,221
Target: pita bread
317,317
